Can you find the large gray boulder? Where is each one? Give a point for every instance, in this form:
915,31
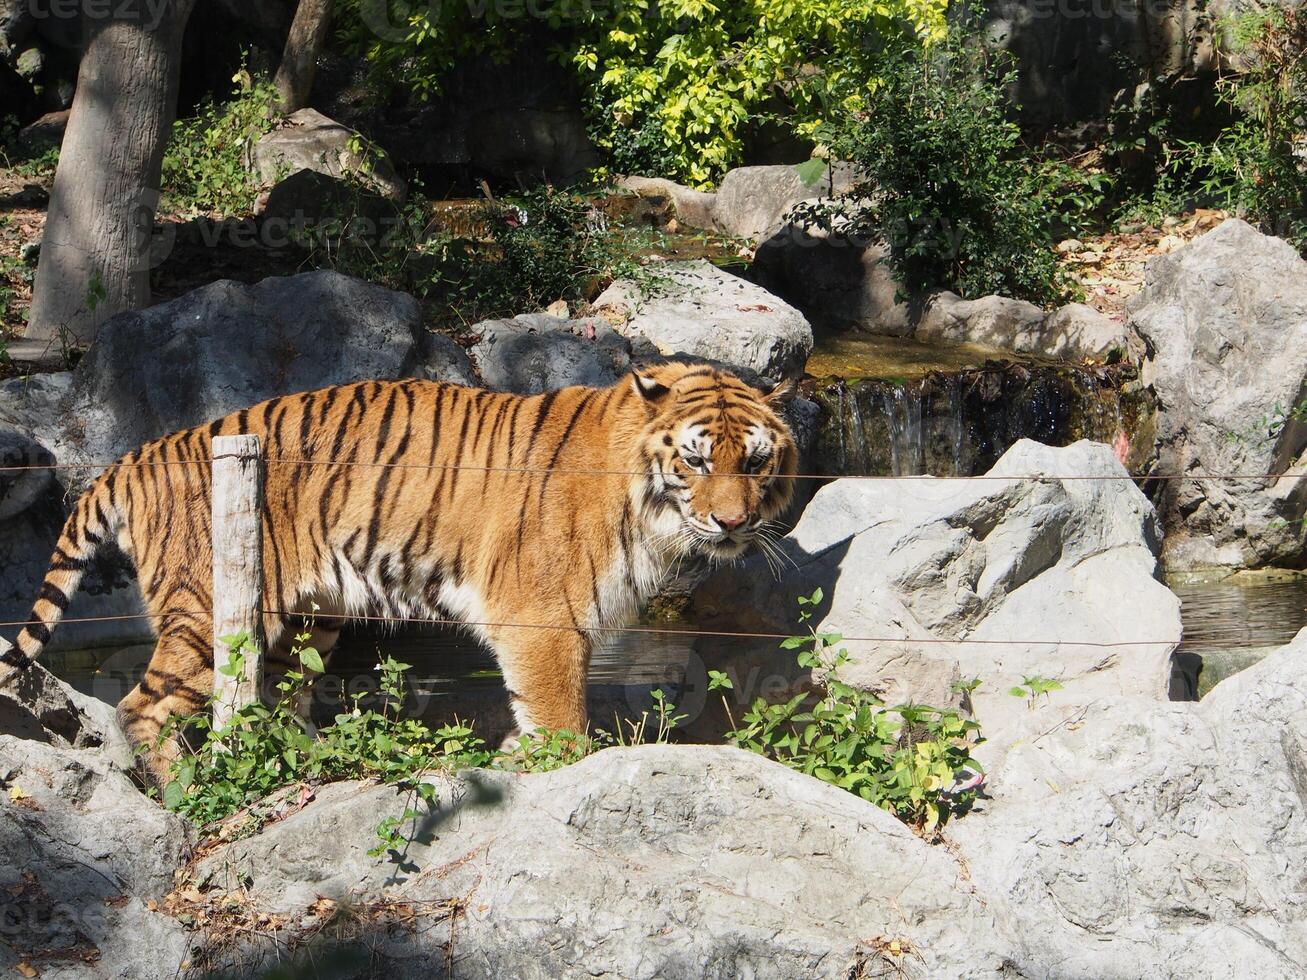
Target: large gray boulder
83,857
308,140
1128,838
536,352
937,581
1073,331
228,345
698,309
677,862
1119,837
1224,320
839,283
753,202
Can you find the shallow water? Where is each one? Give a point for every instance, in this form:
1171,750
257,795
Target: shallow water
1232,626
861,355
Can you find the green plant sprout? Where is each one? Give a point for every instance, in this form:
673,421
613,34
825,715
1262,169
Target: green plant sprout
1033,687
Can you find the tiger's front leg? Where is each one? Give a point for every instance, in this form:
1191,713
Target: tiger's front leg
545,672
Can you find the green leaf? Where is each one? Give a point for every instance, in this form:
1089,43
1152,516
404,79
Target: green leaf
173,794
312,660
810,172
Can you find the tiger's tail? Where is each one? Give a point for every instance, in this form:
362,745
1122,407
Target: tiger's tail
94,519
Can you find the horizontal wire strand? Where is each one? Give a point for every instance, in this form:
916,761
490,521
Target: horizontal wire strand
646,630
1035,477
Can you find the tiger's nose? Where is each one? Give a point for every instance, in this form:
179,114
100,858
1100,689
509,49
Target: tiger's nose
728,523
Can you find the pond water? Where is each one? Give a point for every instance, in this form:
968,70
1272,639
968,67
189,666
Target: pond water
1233,625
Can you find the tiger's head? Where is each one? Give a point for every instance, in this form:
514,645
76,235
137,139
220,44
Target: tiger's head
717,453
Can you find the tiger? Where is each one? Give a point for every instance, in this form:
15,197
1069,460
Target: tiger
535,521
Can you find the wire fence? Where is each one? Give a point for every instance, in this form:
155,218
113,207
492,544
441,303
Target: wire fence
648,630
586,471
637,629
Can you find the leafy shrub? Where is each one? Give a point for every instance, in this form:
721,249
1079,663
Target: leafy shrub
943,179
911,760
688,76
527,252
205,163
267,748
672,86
1254,163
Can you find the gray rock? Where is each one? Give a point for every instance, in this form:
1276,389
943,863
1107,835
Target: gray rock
691,208
1017,566
323,207
536,352
752,202
1174,832
995,321
219,348
19,488
228,345
839,284
701,310
81,852
1073,331
308,140
1121,836
35,705
661,861
1077,330
441,359
1225,324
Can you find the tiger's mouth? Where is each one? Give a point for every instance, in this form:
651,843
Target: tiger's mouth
722,545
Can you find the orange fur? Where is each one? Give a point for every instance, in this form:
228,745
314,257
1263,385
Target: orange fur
561,511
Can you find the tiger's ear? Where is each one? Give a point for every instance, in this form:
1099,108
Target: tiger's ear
648,387
782,392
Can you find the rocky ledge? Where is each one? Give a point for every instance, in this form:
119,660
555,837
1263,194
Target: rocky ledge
1169,837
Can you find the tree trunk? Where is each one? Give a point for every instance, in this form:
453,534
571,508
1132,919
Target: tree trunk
95,253
299,60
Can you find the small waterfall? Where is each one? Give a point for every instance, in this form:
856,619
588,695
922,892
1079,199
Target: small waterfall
959,423
957,426
903,410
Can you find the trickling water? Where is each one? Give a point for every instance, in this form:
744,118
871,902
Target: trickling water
959,423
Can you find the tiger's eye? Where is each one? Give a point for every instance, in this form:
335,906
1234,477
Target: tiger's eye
693,461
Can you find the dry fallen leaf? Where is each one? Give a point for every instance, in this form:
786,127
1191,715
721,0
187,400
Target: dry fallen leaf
27,970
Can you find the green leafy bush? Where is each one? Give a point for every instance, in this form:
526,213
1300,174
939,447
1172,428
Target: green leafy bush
205,165
671,87
943,177
1253,164
267,748
682,80
911,760
526,252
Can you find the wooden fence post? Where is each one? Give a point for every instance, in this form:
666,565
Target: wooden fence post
237,571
